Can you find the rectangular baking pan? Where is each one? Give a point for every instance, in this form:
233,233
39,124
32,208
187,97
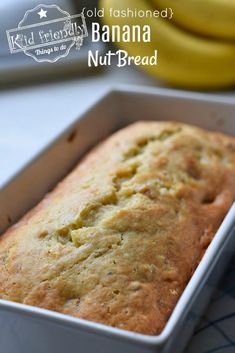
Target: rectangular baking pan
28,329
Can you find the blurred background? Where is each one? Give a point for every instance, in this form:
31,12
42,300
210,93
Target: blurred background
38,100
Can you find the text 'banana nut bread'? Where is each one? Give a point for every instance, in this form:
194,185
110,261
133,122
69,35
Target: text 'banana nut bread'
117,241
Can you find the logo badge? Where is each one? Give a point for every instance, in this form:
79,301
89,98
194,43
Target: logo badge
47,33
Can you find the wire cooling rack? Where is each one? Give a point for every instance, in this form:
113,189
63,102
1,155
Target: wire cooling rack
216,331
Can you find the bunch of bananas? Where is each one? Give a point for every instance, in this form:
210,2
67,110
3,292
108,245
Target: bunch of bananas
196,49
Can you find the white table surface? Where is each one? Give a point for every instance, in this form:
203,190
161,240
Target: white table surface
31,116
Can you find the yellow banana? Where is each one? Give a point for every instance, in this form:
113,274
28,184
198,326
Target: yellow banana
184,59
215,18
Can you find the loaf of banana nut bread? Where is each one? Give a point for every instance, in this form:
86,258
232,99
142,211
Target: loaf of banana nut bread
117,241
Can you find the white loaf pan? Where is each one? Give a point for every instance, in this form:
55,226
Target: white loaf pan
26,329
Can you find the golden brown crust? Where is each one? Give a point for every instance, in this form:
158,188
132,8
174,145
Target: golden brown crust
117,241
